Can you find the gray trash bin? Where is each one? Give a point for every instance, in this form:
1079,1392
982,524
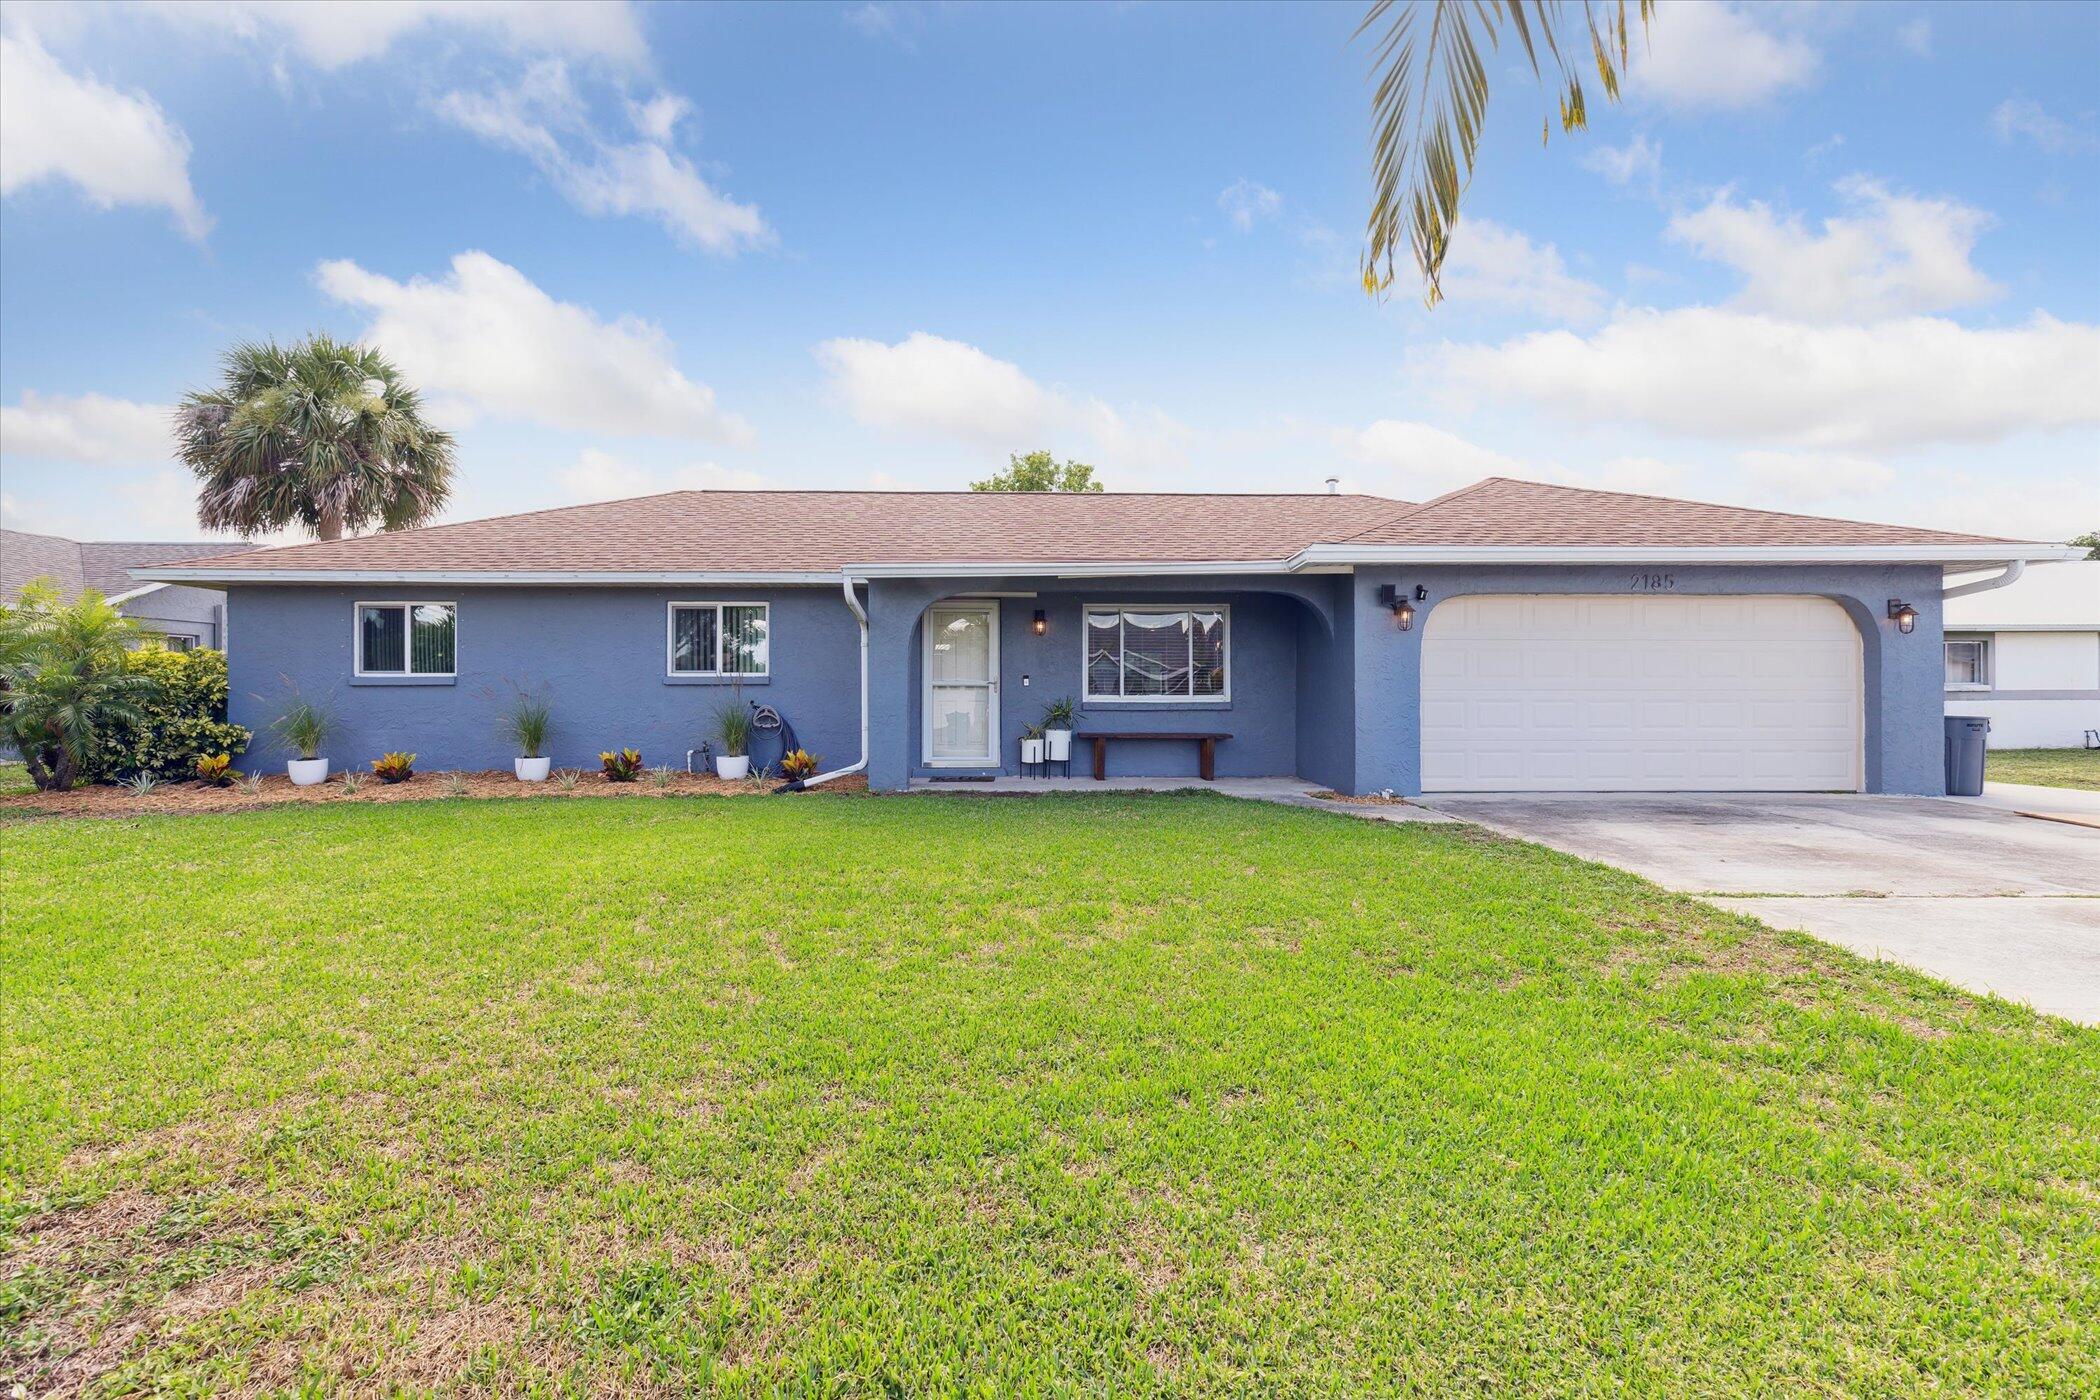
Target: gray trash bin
1965,754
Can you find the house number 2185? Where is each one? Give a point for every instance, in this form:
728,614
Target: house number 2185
1654,583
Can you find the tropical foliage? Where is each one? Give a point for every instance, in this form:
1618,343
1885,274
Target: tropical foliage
394,767
798,764
65,678
181,720
621,765
1430,102
215,769
1039,471
319,435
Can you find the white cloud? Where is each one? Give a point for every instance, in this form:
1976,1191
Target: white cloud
155,505
335,35
1244,202
490,340
600,476
1724,374
1638,161
542,117
90,428
1497,265
2018,117
116,147
1415,461
1809,477
1702,53
1892,255
1916,36
929,386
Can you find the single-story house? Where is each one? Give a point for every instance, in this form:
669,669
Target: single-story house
2027,657
1508,636
181,615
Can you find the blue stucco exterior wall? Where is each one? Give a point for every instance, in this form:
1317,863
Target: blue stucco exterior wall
1324,685
599,653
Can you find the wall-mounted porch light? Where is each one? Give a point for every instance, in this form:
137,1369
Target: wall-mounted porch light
1041,625
1906,616
1402,604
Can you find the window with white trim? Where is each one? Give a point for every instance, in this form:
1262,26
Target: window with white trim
1969,663
407,639
718,639
1139,653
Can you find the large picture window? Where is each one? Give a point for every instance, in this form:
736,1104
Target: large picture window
1157,653
406,639
718,639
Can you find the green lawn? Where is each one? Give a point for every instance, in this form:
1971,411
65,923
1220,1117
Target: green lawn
14,779
2067,768
970,1095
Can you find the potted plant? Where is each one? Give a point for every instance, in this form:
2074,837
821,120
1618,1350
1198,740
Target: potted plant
1031,743
525,724
1057,730
733,728
395,767
304,727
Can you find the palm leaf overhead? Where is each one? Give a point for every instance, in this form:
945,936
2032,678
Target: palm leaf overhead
1430,104
319,434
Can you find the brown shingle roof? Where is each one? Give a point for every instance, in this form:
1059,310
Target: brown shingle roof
103,565
817,531
1530,514
821,531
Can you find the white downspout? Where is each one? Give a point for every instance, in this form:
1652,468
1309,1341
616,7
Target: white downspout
860,615
1984,585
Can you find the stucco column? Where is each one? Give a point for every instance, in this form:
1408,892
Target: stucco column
894,606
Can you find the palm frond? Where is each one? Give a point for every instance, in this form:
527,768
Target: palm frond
1430,102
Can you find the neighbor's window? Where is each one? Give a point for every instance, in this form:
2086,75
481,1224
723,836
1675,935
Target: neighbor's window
173,641
405,639
718,639
1969,663
1156,653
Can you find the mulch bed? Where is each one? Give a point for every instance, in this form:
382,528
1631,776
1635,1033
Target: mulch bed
1367,800
277,790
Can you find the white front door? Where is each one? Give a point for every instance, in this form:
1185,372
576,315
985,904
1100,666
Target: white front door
1536,692
961,703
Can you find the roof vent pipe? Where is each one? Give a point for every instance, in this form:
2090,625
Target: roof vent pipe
1334,486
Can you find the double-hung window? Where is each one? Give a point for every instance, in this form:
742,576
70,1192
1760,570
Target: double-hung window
1968,663
1157,654
717,639
406,639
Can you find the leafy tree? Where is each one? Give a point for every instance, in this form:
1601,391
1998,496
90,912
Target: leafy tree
1039,471
317,434
2089,542
67,678
183,721
1430,103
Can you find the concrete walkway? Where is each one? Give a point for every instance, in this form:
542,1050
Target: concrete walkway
1289,792
1966,889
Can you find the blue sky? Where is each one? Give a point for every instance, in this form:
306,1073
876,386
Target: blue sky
1830,258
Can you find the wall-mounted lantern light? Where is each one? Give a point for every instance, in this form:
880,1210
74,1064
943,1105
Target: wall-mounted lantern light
1402,604
1041,625
1906,616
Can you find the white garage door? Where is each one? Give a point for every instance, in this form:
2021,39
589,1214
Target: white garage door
1537,692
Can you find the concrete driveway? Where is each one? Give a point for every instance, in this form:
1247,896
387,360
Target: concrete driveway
1968,890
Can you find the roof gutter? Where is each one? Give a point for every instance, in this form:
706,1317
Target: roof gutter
860,615
562,577
1973,555
1984,585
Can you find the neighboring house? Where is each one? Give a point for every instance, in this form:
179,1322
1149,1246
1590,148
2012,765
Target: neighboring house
183,616
2027,657
1507,636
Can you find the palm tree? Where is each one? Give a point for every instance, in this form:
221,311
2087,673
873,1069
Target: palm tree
1431,100
66,678
320,434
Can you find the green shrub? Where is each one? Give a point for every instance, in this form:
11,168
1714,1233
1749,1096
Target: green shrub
182,719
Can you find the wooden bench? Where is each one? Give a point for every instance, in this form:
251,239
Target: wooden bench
1206,747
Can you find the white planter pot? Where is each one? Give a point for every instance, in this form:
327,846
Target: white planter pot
1057,744
305,772
531,770
1031,751
731,769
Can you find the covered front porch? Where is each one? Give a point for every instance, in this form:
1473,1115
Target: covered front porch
961,669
